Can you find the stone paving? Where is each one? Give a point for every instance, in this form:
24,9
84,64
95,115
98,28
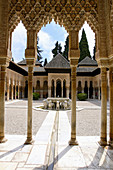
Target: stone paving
16,117
51,150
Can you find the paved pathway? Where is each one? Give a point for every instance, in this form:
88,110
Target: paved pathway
51,150
16,117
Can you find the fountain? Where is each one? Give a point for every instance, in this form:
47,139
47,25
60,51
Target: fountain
57,103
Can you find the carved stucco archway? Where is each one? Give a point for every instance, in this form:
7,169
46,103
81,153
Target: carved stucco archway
69,13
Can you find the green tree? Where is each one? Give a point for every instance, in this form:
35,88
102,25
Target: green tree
94,51
57,49
12,59
39,56
45,61
84,47
66,48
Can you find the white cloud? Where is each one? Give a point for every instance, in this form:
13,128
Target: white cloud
19,42
45,40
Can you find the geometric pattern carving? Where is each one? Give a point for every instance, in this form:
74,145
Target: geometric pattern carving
69,13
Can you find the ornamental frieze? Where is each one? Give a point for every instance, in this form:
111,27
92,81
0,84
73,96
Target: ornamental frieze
69,13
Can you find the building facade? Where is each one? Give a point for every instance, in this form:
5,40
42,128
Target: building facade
54,80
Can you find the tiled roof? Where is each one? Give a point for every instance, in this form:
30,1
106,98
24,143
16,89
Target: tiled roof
58,62
23,62
87,61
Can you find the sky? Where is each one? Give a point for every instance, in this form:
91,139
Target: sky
47,38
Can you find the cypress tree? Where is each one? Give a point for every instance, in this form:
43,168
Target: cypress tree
45,62
94,51
57,49
39,56
84,47
66,48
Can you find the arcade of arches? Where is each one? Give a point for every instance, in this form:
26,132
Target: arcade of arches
71,14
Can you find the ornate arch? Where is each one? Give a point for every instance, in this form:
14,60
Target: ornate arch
36,13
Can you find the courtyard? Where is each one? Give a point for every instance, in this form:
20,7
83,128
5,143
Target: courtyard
51,134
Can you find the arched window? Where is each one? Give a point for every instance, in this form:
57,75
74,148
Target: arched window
86,88
38,85
79,87
52,89
45,85
64,88
58,88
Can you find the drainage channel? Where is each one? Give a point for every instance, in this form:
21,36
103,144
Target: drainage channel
53,144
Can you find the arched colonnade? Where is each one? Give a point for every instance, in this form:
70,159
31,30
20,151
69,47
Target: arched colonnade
71,14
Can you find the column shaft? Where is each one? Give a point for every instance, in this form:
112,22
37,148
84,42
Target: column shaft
11,89
2,103
18,90
73,116
103,139
111,105
61,89
55,90
7,89
67,92
30,96
15,90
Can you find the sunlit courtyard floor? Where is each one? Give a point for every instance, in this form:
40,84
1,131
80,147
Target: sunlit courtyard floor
51,133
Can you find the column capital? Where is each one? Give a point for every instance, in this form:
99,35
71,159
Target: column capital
73,62
31,50
102,62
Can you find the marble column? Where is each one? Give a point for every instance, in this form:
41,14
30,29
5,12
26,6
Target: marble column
73,115
7,89
18,90
30,55
74,54
2,103
30,97
41,93
11,89
55,89
67,92
111,105
61,88
23,88
15,89
49,91
103,138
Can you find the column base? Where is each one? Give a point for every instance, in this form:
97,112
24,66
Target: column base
73,142
3,139
111,143
103,143
29,141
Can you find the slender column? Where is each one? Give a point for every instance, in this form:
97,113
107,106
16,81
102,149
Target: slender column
94,93
30,96
55,89
103,138
2,103
88,88
18,90
41,95
49,91
7,89
61,88
111,105
73,116
23,91
11,89
15,89
67,92
74,54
